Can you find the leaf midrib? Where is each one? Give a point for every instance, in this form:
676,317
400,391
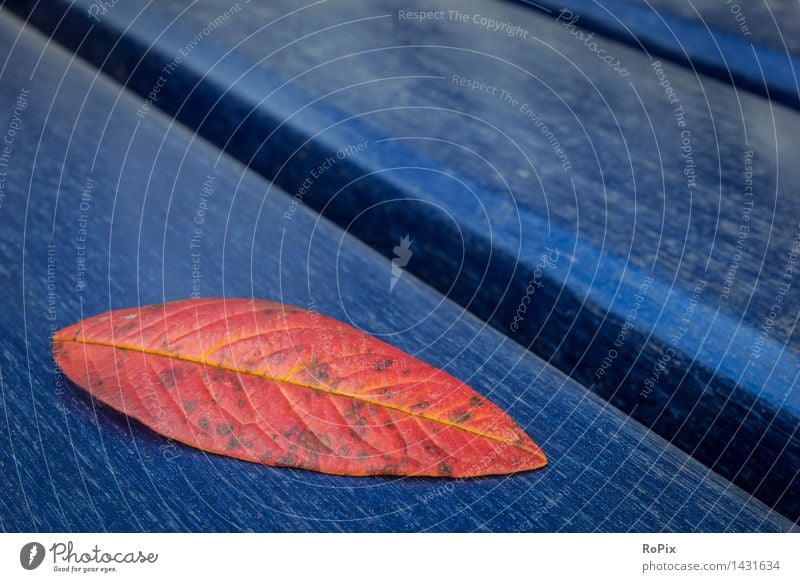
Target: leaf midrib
174,356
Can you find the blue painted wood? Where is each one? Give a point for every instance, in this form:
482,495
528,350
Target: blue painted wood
772,23
83,165
480,184
763,64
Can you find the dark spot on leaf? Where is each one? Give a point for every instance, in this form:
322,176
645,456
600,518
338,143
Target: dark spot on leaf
251,364
203,423
444,469
288,460
240,402
233,444
190,405
317,370
309,441
363,455
476,401
299,348
383,365
459,416
224,428
353,410
422,405
167,379
218,375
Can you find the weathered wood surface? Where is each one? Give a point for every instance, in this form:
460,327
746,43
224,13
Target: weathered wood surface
69,463
753,45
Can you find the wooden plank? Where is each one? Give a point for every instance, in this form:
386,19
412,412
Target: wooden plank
663,245
83,165
703,36
771,23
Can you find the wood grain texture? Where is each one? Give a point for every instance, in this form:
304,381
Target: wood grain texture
771,23
710,370
741,44
69,464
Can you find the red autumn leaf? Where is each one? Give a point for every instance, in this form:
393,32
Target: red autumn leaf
279,385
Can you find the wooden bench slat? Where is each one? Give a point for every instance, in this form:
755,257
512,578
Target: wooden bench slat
702,36
72,464
772,24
